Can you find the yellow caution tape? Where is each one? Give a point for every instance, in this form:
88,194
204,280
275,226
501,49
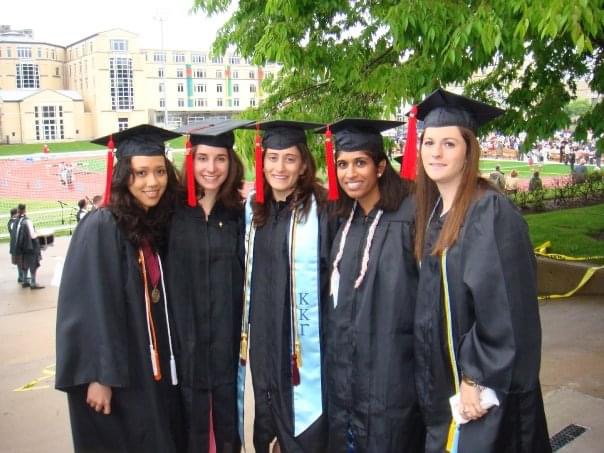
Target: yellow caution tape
47,374
541,250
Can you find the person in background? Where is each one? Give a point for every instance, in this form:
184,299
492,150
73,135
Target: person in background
579,173
27,249
97,202
535,183
511,183
114,347
477,327
205,284
82,209
372,402
498,178
12,232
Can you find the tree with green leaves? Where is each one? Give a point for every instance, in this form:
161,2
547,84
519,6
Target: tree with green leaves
365,57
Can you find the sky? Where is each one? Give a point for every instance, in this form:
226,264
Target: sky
64,22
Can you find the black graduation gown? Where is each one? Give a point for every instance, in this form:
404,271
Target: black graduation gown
497,333
205,283
371,388
102,337
270,334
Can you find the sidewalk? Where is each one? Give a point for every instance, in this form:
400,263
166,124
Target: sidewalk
36,419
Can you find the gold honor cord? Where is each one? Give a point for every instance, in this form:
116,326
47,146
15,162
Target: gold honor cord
245,325
297,345
541,250
451,349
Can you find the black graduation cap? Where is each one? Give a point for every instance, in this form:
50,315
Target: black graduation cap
281,134
358,134
142,140
213,132
442,108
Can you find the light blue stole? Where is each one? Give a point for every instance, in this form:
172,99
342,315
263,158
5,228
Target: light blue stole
303,243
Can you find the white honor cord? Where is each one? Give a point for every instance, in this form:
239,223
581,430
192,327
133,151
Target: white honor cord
173,374
151,348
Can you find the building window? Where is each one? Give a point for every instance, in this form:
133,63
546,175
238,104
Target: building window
28,75
235,102
122,124
252,88
217,60
198,58
179,58
122,86
201,102
234,59
24,52
162,102
200,74
57,71
180,88
219,74
180,73
235,74
160,73
201,88
219,102
219,88
235,88
119,45
52,54
181,102
49,122
159,57
161,87
252,102
39,52
251,75
9,52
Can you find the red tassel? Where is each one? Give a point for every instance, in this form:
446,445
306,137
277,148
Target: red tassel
408,170
109,172
332,183
295,371
259,173
191,196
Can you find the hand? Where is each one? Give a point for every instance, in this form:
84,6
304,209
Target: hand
469,402
99,397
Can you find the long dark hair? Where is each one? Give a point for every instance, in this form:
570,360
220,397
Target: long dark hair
472,186
229,193
139,225
307,185
393,189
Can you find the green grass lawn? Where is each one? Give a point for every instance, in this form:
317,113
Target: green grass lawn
571,231
525,171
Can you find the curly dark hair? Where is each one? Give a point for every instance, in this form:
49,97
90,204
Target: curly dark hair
393,189
230,191
307,185
139,225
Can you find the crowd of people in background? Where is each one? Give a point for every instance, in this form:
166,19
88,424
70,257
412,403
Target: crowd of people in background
24,247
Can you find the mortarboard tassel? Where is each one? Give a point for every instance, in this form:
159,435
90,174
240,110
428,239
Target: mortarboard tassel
332,184
259,172
191,198
107,195
410,155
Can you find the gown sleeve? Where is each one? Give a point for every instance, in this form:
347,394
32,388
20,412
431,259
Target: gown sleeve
501,349
91,311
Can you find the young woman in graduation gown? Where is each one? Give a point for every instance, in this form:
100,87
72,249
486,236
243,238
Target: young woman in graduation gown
114,349
371,392
287,246
477,325
205,284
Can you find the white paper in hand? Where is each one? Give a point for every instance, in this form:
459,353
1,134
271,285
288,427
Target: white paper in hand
488,399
